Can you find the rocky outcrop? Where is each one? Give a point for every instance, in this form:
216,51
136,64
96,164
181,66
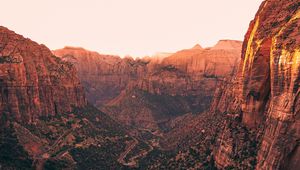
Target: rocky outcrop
193,73
33,82
267,88
210,62
103,76
197,46
227,44
194,70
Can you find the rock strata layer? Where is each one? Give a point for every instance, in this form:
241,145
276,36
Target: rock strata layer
34,82
265,92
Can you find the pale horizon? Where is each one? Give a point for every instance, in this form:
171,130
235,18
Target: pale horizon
134,27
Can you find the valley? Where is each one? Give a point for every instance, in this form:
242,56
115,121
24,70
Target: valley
234,105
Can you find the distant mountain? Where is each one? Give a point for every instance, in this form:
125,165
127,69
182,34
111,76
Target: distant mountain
219,62
197,46
228,44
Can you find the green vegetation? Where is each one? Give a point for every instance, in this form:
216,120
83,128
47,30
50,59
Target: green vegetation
56,164
275,24
97,157
91,137
138,149
12,154
169,68
245,145
9,60
293,7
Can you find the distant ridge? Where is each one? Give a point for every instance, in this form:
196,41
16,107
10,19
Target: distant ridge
197,46
228,44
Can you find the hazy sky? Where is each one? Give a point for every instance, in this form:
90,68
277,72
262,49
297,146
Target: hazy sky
135,27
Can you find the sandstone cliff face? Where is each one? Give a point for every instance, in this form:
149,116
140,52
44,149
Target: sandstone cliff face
103,76
227,44
194,70
33,82
193,73
267,87
211,62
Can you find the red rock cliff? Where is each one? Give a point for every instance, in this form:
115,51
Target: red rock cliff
194,71
103,76
267,87
33,82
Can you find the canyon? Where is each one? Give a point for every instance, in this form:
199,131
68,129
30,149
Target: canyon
147,92
231,106
46,122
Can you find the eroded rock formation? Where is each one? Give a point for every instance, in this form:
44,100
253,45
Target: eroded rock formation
33,82
103,76
45,122
266,90
194,70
